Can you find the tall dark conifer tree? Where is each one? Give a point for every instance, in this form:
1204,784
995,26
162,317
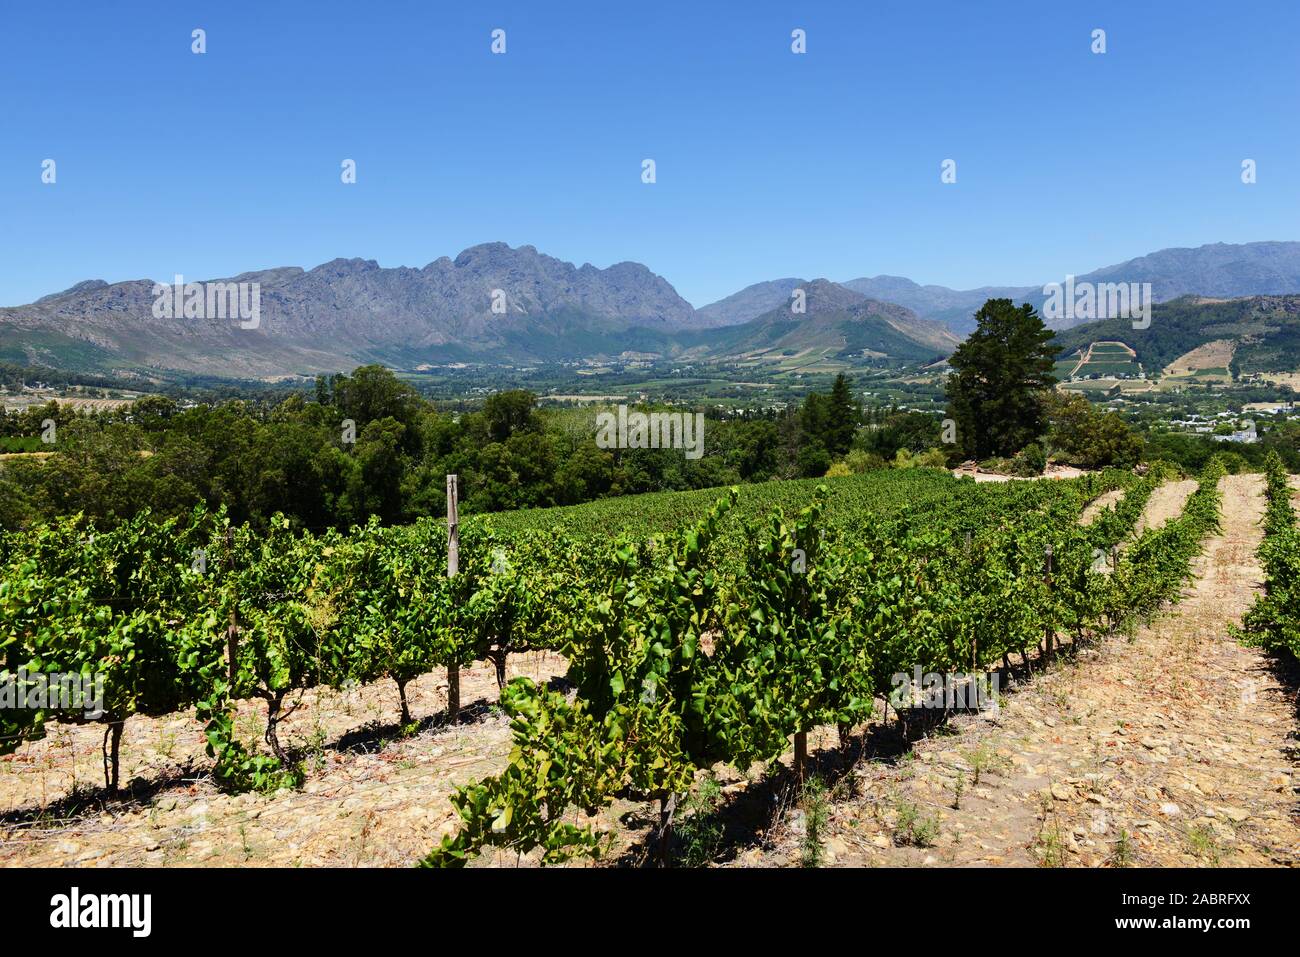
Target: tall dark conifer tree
1000,377
843,415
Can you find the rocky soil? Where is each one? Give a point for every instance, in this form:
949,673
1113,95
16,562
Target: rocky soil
373,797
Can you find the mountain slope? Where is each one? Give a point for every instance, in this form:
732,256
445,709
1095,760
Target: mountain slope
837,322
952,307
750,303
349,311
1218,270
1265,331
352,310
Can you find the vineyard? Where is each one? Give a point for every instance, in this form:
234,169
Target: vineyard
1274,622
701,631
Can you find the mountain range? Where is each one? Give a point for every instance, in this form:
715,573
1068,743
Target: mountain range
351,310
492,303
498,304
1219,270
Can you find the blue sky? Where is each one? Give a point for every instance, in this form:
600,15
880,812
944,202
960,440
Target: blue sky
769,164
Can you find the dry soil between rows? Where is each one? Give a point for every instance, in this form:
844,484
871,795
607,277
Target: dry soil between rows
373,797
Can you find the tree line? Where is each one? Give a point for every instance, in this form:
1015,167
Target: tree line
367,444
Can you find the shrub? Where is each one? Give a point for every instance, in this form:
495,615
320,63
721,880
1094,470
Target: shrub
1030,460
931,459
859,461
1234,463
1089,437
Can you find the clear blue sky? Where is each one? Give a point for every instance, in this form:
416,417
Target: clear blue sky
770,164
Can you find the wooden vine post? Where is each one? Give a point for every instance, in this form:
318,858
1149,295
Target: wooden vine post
1050,635
667,808
974,638
453,566
232,630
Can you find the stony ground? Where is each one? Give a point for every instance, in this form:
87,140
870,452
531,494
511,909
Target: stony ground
1173,745
373,796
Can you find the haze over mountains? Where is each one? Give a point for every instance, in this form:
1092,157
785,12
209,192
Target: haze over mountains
349,311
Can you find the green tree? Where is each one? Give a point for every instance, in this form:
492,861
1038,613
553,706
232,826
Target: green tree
843,415
812,456
1000,375
373,393
894,430
375,488
753,448
509,412
1089,437
586,474
16,508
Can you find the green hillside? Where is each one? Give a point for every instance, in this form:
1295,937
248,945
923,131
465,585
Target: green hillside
1266,330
